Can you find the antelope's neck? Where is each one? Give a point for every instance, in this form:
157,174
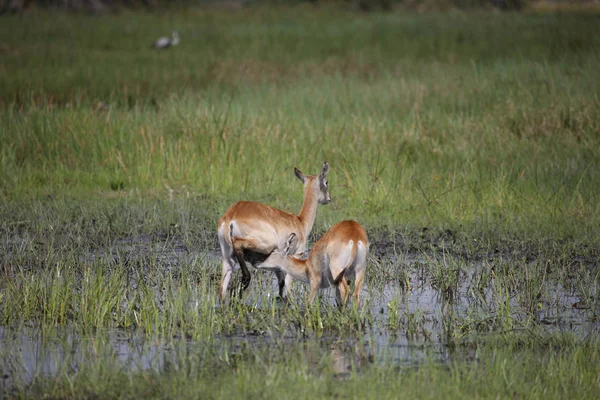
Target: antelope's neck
298,269
308,213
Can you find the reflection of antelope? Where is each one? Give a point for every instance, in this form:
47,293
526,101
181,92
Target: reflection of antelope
341,357
339,255
255,230
346,357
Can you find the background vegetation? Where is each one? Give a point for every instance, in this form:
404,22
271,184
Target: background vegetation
486,120
103,6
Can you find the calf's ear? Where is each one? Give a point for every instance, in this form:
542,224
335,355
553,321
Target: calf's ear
291,244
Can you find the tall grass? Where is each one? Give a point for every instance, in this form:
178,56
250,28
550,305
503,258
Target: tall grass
480,119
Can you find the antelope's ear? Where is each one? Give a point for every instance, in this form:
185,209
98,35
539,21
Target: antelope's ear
324,170
299,174
291,244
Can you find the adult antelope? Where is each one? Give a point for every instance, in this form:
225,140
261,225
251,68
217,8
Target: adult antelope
253,230
339,255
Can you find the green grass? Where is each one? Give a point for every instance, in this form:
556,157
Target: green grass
466,143
477,119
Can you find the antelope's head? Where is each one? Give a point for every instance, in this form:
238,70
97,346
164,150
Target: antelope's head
317,184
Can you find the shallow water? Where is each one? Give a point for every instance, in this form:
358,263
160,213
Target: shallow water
32,353
29,353
408,322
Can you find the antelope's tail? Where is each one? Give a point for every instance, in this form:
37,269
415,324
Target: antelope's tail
349,261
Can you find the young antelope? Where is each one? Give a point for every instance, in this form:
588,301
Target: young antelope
340,255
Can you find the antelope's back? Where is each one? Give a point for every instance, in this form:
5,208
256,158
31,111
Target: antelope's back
347,230
270,226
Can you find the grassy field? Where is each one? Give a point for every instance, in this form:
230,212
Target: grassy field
468,145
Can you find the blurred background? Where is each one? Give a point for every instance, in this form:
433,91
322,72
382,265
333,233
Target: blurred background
100,6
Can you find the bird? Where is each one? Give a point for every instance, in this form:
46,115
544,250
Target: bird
165,42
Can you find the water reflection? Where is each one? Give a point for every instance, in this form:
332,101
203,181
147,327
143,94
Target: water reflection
27,354
412,322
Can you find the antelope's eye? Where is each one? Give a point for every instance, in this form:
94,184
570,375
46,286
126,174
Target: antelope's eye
325,183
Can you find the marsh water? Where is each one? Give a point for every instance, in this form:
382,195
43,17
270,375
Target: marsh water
409,319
